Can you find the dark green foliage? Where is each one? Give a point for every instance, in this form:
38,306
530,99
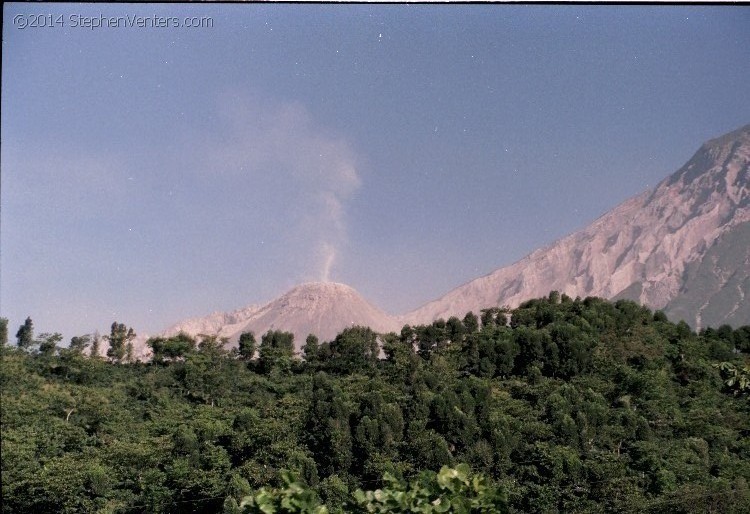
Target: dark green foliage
401,362
311,350
79,344
276,350
741,339
48,343
119,338
175,348
471,322
3,332
353,350
431,338
246,346
327,432
573,406
25,334
455,329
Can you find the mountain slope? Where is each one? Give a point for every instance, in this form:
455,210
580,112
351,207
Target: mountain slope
716,287
651,248
213,323
683,247
320,308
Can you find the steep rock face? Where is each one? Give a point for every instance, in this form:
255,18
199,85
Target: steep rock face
643,249
716,286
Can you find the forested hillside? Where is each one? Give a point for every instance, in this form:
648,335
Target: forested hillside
560,405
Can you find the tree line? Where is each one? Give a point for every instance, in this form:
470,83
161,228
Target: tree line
560,405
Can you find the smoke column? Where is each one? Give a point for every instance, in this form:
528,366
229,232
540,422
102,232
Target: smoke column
329,256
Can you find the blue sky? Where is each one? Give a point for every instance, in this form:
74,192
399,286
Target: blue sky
153,174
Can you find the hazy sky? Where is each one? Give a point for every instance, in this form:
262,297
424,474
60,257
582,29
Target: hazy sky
155,173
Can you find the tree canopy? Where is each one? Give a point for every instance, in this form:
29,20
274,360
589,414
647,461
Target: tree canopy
560,405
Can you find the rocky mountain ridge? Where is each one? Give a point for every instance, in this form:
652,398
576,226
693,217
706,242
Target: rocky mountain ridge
640,250
683,246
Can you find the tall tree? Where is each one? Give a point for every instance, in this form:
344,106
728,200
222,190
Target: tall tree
488,316
204,374
96,343
327,431
401,360
48,343
471,322
3,332
79,343
311,349
247,346
276,348
119,338
455,330
25,334
354,349
176,348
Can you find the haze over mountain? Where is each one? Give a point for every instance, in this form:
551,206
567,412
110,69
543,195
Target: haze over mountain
683,247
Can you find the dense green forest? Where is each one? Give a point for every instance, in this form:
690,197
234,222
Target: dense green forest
560,405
